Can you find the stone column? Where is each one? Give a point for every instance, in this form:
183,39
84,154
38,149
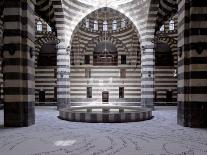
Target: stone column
147,75
18,68
63,74
192,63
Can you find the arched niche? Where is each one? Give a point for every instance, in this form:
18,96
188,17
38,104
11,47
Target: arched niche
105,54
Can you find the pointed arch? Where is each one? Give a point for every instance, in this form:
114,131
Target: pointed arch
47,37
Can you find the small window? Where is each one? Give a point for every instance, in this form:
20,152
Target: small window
88,73
162,28
89,92
105,26
123,73
123,23
171,25
49,28
123,59
87,59
121,92
114,25
95,25
39,26
87,23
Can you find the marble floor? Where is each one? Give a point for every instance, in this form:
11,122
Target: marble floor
51,136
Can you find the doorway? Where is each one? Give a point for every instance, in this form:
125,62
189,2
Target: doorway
105,97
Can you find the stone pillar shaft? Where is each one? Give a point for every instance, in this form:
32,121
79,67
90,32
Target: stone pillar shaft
63,76
18,68
192,70
147,76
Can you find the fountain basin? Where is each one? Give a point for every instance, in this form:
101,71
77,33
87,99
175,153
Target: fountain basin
105,114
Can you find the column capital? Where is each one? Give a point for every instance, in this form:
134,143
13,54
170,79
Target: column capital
144,47
63,47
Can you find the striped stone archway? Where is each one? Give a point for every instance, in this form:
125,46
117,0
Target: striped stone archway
167,8
115,41
67,31
39,42
158,12
171,42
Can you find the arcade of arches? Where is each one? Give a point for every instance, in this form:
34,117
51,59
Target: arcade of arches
161,58
145,53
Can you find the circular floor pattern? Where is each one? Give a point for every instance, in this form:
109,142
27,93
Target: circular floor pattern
52,136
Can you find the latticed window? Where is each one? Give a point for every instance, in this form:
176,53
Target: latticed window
87,23
123,73
39,26
162,28
49,28
114,25
105,26
171,25
95,25
123,59
123,23
121,92
87,59
88,73
89,92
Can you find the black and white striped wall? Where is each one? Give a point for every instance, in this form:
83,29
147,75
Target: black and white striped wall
192,63
18,69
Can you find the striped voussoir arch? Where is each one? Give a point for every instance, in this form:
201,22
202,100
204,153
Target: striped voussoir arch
171,41
192,64
167,8
115,41
45,10
136,11
66,22
159,11
85,39
39,42
18,66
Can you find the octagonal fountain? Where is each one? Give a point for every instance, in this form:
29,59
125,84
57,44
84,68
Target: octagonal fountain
105,114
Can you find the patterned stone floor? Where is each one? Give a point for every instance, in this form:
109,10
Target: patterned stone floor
51,136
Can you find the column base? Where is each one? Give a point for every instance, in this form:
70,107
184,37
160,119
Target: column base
63,103
192,114
148,103
19,114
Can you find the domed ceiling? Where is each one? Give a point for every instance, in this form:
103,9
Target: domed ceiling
105,2
106,14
